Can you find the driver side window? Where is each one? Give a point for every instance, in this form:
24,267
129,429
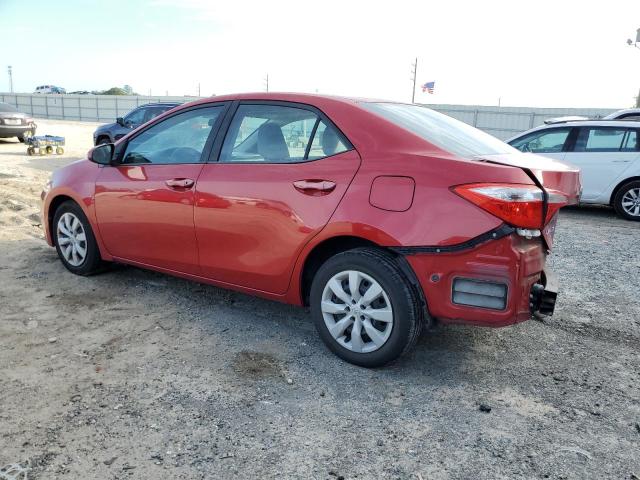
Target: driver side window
135,118
546,141
177,139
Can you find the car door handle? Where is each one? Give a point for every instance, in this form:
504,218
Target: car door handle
180,183
620,161
315,187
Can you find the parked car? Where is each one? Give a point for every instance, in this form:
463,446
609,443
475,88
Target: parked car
627,114
111,132
14,123
43,89
382,217
607,152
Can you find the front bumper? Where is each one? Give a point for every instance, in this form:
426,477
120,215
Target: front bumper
498,276
15,130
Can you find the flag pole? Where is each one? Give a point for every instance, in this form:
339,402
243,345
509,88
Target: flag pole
415,74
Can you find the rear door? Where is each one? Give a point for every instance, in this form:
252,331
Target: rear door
276,179
602,153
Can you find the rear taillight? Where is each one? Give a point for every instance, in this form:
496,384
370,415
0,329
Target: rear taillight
518,205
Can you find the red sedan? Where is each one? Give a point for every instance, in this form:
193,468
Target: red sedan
382,217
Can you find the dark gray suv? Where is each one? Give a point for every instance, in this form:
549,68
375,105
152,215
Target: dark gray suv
111,132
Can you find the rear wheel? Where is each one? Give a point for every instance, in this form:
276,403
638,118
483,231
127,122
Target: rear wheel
103,140
22,138
364,308
627,201
74,240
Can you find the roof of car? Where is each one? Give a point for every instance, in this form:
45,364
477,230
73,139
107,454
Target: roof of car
290,97
626,111
580,123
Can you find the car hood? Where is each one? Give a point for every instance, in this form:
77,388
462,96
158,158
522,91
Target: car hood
105,128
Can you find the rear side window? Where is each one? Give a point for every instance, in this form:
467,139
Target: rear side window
543,141
600,139
440,130
279,134
632,142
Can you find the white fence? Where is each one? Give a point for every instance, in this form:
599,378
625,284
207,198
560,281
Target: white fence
502,122
92,108
505,122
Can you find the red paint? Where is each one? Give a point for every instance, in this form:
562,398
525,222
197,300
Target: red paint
251,227
392,193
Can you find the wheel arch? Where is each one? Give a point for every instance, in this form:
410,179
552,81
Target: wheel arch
620,185
102,136
50,210
53,206
331,246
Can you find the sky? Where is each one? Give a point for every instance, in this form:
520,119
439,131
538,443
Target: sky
538,53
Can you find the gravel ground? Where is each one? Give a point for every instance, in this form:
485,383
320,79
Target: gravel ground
133,374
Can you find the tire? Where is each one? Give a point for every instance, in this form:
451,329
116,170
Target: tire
22,138
627,201
91,262
372,267
59,150
31,151
103,141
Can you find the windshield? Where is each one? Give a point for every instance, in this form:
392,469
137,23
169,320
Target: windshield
5,107
441,130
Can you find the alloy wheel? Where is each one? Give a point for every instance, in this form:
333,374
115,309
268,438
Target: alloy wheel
631,202
357,311
72,239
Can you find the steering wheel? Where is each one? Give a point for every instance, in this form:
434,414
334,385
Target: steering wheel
184,155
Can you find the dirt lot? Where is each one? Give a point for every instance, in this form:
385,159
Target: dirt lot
132,374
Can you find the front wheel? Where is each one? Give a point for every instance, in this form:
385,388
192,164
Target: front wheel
74,240
364,308
627,201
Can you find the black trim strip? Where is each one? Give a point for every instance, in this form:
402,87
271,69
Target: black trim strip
495,234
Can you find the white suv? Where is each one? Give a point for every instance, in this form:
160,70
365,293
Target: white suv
606,151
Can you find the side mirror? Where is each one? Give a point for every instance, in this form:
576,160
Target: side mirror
102,154
120,121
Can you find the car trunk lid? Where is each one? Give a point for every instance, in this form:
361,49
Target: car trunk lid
550,175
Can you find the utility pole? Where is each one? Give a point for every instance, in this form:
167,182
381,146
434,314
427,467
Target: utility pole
414,72
9,69
198,88
266,80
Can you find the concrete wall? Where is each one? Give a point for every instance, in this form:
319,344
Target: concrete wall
502,122
94,108
505,122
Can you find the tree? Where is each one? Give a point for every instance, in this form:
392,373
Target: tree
126,90
114,91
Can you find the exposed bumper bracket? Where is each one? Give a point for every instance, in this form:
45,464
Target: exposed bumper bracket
542,298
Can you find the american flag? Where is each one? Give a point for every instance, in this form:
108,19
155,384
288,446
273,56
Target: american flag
429,87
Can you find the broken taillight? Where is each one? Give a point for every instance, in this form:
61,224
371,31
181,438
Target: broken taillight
518,205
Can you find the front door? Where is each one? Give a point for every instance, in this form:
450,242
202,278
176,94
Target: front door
144,205
281,173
